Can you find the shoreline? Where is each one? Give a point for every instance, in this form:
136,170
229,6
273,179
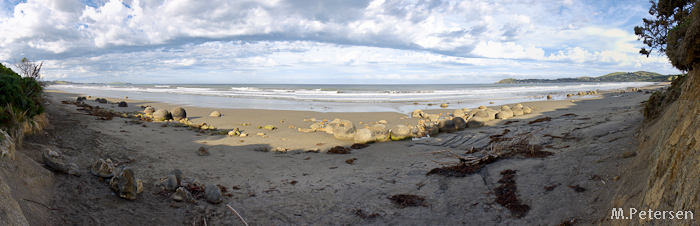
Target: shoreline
587,138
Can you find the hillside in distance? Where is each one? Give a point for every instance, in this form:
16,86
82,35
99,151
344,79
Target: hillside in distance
639,76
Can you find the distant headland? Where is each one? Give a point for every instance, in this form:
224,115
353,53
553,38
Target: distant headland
639,76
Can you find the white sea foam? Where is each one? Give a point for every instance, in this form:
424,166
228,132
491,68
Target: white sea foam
279,96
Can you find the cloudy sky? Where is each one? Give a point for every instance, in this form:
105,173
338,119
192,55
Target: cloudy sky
324,41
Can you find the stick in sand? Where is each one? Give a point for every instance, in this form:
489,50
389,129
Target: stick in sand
239,216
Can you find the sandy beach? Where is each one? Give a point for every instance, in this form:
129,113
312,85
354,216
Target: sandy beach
591,139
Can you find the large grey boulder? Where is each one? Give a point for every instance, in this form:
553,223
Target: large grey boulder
363,136
381,133
400,132
446,125
162,115
475,122
178,113
345,129
517,111
458,113
459,122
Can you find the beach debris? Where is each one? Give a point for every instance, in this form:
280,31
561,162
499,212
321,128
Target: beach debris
361,213
404,200
577,188
182,194
339,150
261,149
344,129
57,161
444,105
122,104
418,114
215,114
350,161
549,97
506,195
545,119
236,212
359,146
381,133
400,132
103,168
126,184
269,127
178,113
363,136
213,194
203,151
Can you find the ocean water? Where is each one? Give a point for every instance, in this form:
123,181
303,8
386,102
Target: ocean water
339,98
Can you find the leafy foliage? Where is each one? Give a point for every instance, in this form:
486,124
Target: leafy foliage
20,98
672,30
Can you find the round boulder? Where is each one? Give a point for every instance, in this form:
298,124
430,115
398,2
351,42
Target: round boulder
149,110
444,105
344,130
517,111
458,113
549,97
103,101
527,110
475,122
502,115
482,107
446,125
418,114
481,113
400,132
460,124
363,136
519,105
215,114
123,104
465,110
505,107
381,133
162,115
178,113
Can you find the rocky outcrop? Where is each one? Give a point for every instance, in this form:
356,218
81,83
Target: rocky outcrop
669,150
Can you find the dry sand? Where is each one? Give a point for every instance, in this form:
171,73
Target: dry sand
301,188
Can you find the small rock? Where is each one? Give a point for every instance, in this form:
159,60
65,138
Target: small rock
444,105
57,161
213,194
418,114
382,121
170,183
149,110
203,151
549,97
269,127
126,184
243,135
215,114
103,168
182,194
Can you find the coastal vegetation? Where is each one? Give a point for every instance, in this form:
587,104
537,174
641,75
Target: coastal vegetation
639,76
20,97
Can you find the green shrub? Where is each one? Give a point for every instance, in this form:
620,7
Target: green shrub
18,96
659,100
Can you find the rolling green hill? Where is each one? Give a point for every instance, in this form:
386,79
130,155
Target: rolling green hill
639,76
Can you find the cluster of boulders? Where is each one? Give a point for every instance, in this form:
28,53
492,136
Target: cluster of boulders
582,93
175,182
428,125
